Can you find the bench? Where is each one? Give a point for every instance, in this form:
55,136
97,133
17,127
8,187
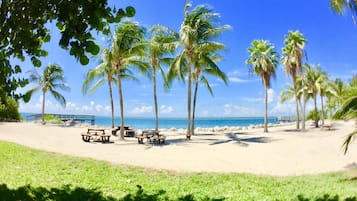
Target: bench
326,126
158,139
128,132
95,134
140,139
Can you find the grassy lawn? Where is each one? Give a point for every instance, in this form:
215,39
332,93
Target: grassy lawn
28,174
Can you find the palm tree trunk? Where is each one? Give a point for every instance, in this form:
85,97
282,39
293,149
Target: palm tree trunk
322,110
265,109
194,107
43,106
121,104
155,101
111,101
316,116
297,105
188,134
303,107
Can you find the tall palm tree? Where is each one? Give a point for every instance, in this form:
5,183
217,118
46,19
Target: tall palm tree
128,50
163,42
50,80
313,82
102,73
263,61
206,64
339,7
293,52
324,88
197,29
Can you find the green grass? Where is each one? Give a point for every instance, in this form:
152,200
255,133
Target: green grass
28,174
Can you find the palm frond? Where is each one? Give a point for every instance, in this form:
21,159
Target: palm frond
348,141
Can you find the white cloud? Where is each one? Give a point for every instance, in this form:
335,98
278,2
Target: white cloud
236,80
164,109
142,110
271,95
237,110
71,107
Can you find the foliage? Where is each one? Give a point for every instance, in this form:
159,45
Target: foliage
24,31
8,108
312,115
28,174
349,109
339,7
49,117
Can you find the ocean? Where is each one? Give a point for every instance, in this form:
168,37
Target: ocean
167,123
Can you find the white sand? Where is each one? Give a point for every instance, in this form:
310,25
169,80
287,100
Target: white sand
282,151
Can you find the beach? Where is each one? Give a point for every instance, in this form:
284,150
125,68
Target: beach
282,151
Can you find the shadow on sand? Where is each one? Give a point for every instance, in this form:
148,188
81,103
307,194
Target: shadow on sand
233,137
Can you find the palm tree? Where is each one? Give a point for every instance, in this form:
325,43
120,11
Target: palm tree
334,98
50,80
197,29
263,61
103,72
324,88
313,81
349,109
162,42
339,7
292,56
206,65
128,50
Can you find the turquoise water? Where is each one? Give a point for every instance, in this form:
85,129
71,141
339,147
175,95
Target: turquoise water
166,123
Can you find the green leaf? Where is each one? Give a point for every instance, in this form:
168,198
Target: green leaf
17,69
92,47
36,62
84,60
47,38
130,11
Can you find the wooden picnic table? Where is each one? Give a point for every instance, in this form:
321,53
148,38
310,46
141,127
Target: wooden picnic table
95,134
151,136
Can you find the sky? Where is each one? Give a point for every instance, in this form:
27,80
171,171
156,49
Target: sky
332,40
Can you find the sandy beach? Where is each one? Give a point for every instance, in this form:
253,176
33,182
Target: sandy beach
283,151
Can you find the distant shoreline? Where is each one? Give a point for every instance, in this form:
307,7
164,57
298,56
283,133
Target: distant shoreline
181,122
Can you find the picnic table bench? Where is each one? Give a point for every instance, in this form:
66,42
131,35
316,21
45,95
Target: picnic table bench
95,134
151,136
128,132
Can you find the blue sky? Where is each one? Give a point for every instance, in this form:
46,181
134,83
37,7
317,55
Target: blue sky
331,43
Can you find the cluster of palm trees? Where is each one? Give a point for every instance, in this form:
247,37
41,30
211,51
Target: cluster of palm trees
132,47
263,61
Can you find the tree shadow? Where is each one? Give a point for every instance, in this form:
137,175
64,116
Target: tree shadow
67,193
326,197
233,137
27,193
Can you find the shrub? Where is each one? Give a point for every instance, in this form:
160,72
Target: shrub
9,109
